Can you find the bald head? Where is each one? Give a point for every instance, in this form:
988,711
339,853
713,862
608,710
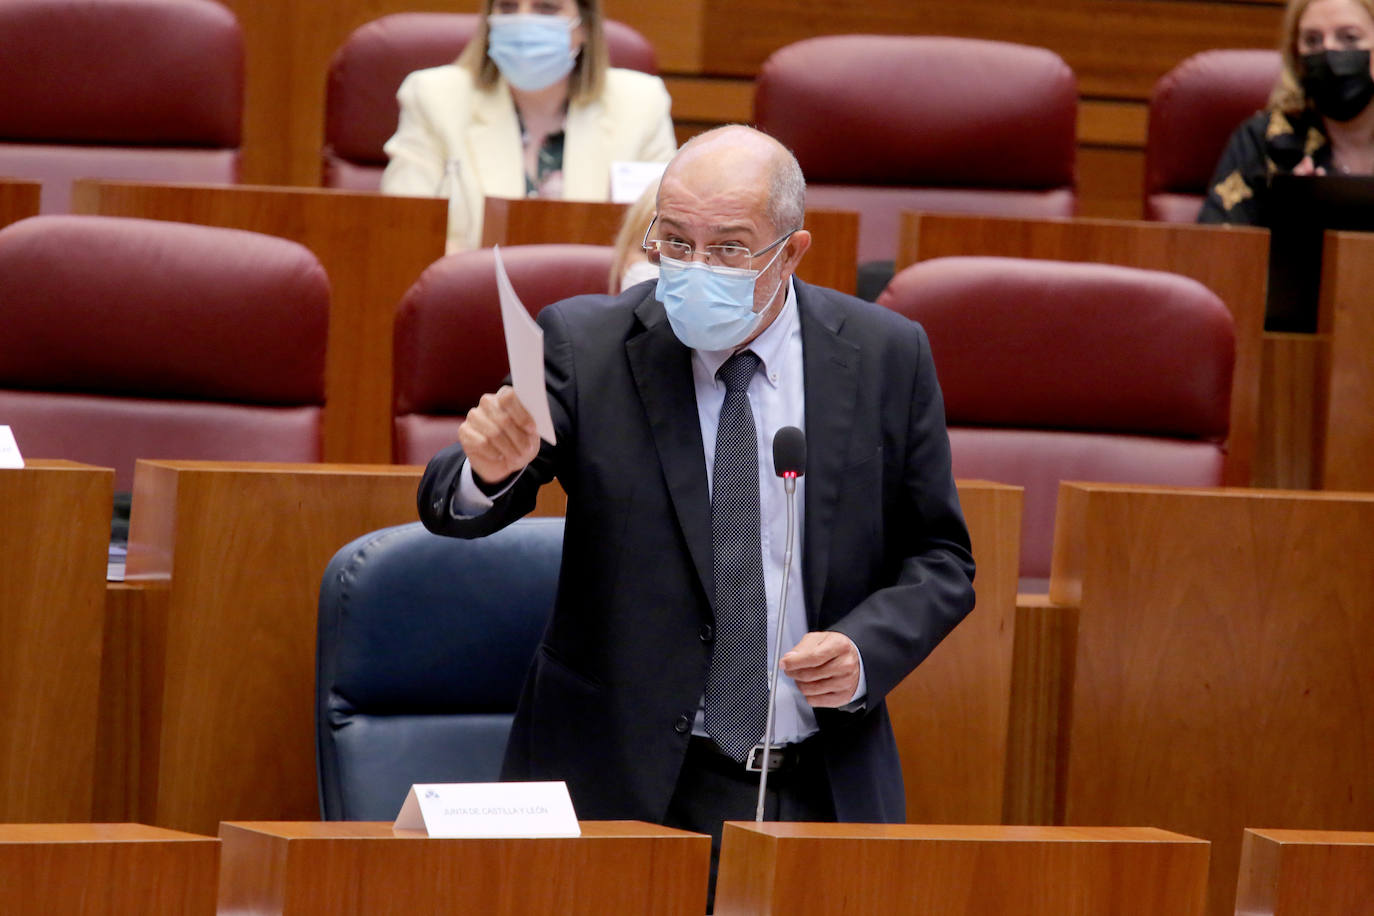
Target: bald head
739,159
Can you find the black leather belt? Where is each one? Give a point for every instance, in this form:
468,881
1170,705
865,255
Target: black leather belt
781,758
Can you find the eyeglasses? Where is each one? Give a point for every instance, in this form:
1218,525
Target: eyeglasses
718,255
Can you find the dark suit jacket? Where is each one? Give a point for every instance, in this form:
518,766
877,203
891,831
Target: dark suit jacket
610,697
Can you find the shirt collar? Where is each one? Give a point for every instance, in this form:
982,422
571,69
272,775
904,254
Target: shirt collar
768,346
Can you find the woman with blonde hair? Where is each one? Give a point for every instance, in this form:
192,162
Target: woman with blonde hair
1318,121
531,108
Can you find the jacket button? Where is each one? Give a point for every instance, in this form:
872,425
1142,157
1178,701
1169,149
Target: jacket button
707,632
683,725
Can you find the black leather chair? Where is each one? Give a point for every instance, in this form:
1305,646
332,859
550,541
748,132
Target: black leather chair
423,646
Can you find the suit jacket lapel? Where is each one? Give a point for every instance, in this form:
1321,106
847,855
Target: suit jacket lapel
586,163
662,371
830,367
493,140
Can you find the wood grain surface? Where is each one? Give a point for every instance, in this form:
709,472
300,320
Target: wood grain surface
1306,873
367,869
950,714
18,200
242,548
106,870
1345,400
54,532
1220,677
906,870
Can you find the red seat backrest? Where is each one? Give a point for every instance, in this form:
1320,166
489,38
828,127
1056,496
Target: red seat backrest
129,338
1064,371
1194,108
147,89
449,345
882,123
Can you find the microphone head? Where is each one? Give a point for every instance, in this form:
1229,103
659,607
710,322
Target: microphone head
789,452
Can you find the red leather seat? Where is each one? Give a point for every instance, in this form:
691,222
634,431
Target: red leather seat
129,338
360,108
1063,371
449,346
133,89
886,123
1194,108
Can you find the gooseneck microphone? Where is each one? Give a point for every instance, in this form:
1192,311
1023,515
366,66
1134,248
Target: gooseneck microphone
789,463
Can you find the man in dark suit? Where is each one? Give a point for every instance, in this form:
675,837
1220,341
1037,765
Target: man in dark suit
619,700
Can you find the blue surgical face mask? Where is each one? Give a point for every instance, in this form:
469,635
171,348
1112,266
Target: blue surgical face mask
710,308
532,51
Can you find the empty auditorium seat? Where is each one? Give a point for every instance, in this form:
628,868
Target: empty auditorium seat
886,123
132,89
1067,371
422,649
128,338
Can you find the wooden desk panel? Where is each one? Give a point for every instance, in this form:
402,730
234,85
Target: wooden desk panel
1221,676
54,534
906,870
950,714
372,246
242,547
352,869
1345,387
1229,261
106,870
18,200
1306,873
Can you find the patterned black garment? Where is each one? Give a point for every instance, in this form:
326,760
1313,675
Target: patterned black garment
1266,144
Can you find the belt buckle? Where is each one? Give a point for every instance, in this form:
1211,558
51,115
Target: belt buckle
754,761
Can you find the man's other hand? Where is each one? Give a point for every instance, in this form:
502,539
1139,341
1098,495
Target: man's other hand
499,436
825,666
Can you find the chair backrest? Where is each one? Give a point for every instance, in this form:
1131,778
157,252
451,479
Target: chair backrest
1193,110
131,338
885,123
132,89
423,645
1067,371
449,346
360,108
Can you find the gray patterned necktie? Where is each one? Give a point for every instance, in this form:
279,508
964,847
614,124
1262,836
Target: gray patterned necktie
736,684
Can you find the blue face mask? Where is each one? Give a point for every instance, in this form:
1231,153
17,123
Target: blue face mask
532,51
710,308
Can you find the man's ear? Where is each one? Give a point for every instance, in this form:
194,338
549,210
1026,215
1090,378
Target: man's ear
796,246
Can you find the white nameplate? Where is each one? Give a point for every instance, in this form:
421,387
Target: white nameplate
629,179
489,809
9,450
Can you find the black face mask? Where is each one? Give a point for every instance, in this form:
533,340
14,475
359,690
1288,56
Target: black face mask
1338,82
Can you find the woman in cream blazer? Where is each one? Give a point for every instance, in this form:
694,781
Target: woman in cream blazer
461,139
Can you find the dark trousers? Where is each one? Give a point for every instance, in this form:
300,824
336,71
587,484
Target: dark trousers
712,788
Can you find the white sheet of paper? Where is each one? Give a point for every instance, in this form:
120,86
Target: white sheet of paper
629,179
489,809
525,350
9,450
